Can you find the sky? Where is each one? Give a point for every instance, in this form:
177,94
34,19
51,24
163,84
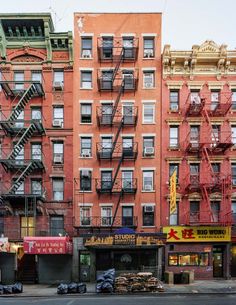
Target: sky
184,22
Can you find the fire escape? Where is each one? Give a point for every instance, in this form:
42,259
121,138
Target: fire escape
206,144
117,82
20,130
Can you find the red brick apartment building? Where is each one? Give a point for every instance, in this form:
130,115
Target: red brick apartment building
36,145
198,140
117,99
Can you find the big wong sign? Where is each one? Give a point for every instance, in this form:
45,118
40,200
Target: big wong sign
197,234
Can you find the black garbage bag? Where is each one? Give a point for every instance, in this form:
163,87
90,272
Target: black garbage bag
7,289
1,289
109,274
81,288
107,287
100,278
17,288
99,287
72,288
62,289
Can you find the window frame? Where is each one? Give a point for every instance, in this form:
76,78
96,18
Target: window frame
86,83
152,48
151,76
179,254
87,182
151,221
174,140
54,198
59,230
175,101
152,180
147,105
87,117
89,49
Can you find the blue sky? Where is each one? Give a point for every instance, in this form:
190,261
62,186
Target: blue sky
185,22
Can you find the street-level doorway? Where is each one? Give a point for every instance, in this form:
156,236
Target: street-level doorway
218,261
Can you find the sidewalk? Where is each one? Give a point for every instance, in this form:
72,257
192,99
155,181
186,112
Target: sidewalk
201,287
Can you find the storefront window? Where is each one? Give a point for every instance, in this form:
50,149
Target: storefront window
188,259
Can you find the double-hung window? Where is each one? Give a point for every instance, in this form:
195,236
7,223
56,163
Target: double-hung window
19,80
85,146
36,151
58,189
148,79
56,225
233,172
85,180
36,187
148,215
174,100
86,80
36,76
233,131
174,136
148,180
234,100
148,47
86,47
106,216
58,116
85,216
86,113
148,113
58,81
58,152
148,146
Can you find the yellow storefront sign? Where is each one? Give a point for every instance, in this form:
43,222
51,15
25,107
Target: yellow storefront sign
197,234
173,192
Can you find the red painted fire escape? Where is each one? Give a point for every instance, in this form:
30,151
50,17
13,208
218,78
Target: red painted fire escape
206,142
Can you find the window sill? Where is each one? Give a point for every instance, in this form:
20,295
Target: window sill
86,88
153,123
149,58
86,123
85,157
153,88
81,192
153,191
146,227
174,148
151,157
174,111
86,58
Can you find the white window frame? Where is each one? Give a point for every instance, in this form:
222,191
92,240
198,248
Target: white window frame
150,106
148,79
148,174
83,211
58,195
88,84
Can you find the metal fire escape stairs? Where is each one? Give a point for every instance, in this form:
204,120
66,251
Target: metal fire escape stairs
35,126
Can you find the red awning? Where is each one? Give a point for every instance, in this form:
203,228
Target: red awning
47,245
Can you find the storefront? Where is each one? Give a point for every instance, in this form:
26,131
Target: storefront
202,249
53,257
124,252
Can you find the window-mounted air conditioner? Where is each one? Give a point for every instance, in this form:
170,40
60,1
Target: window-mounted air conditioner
148,53
148,84
86,54
149,151
85,173
86,153
58,86
147,187
57,123
58,158
174,107
149,208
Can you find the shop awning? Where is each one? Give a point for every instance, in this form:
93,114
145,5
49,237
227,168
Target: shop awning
47,245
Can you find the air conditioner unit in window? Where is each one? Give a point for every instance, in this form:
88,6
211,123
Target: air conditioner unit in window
174,107
149,151
86,153
58,85
148,53
86,54
148,85
57,123
58,158
147,187
149,208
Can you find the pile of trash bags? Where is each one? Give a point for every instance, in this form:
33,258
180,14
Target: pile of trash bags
106,282
71,288
9,289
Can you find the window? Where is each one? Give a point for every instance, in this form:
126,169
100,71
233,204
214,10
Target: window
106,180
36,151
106,147
86,80
19,123
106,216
58,81
36,76
36,187
194,135
127,216
106,80
194,173
85,146
86,47
36,113
148,79
148,113
148,215
233,170
172,167
128,79
127,180
58,116
148,47
215,209
174,100
188,259
19,158
128,146
148,146
194,211
19,80
57,225
107,47
215,135
58,152
174,217
174,137
195,97
85,216
128,113
233,131
128,47
27,226
233,100
86,113
107,111
85,180
234,211
58,189
215,98
21,188
148,180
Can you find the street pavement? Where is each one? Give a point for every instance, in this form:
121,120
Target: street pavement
193,299
198,287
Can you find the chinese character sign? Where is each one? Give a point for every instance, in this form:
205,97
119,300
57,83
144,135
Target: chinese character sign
47,245
173,192
197,234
